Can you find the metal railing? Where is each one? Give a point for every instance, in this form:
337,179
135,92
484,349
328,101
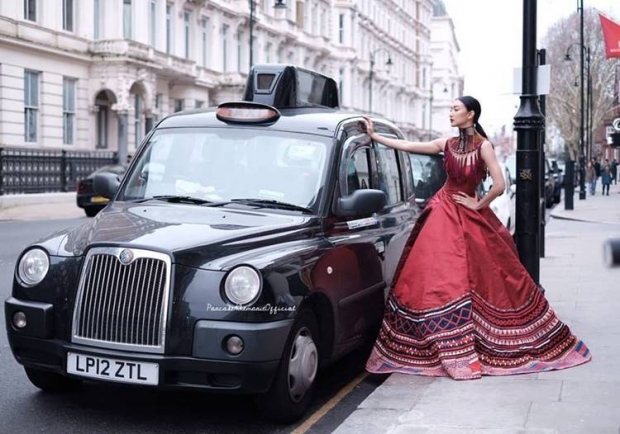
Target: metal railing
26,170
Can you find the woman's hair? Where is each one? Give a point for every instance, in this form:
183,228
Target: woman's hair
472,104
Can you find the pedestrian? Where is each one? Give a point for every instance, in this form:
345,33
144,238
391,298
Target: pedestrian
597,172
461,303
606,179
591,177
614,171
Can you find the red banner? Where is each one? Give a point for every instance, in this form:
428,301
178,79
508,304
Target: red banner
611,34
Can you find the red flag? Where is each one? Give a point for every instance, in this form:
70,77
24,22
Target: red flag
611,34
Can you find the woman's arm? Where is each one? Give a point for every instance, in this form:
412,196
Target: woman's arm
433,147
499,184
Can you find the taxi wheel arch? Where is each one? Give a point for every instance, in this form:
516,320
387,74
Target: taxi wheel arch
50,381
291,392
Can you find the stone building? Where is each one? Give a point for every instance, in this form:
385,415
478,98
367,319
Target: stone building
98,74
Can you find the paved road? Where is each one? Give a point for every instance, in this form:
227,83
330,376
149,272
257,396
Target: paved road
100,408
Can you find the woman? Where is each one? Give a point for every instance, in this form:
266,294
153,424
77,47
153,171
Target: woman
591,178
606,179
462,305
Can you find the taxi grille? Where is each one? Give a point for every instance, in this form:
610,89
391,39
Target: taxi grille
123,305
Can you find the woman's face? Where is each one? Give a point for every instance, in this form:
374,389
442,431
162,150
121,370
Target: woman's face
459,116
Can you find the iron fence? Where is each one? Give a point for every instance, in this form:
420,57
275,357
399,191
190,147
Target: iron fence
25,170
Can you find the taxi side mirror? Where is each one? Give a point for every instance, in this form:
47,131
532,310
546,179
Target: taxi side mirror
361,203
106,184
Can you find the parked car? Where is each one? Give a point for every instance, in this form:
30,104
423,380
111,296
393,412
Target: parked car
558,179
86,197
429,176
247,246
504,205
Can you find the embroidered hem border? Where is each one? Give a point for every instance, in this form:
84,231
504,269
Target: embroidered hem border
469,338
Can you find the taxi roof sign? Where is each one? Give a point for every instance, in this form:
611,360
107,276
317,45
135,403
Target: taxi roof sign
246,113
288,86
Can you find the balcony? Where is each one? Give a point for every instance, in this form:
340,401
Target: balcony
135,51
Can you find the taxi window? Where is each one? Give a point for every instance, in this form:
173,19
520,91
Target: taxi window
223,164
389,174
358,171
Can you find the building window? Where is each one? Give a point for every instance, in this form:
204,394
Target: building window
341,28
127,19
153,23
204,41
67,15
168,28
31,105
239,51
179,105
188,33
98,19
268,52
102,127
340,84
30,10
137,108
224,48
68,110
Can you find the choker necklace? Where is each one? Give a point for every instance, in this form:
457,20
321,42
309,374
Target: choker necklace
465,135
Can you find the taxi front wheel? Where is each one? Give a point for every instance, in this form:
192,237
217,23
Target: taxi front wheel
291,391
50,381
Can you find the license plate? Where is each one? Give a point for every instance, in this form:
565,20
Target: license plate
99,199
104,368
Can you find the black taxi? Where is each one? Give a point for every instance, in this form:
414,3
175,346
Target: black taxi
247,246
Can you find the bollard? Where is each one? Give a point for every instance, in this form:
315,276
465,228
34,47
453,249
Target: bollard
611,252
569,185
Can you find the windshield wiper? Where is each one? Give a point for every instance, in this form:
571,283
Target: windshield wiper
270,203
180,199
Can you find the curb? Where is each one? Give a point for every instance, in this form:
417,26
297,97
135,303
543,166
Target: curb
16,200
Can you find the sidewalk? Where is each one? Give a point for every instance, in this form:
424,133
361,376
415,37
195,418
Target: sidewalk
45,206
580,400
595,208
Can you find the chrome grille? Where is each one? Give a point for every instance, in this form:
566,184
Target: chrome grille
122,300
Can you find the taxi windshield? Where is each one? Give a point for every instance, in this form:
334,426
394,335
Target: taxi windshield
220,165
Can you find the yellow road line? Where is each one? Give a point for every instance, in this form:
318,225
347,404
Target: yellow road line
301,429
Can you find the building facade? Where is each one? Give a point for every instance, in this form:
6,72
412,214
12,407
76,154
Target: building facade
98,74
447,83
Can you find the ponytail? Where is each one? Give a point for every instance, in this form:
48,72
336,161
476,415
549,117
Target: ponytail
480,130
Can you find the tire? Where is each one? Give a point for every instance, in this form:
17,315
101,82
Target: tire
51,382
91,212
291,392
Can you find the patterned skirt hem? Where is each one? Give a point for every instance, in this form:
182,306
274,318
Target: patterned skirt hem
378,364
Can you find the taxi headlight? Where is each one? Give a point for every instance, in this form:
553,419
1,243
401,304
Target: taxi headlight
33,266
242,285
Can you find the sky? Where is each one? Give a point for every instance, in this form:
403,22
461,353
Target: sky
489,33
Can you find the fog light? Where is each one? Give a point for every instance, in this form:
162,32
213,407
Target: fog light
19,320
234,345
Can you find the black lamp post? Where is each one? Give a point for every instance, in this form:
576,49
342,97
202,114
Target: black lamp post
430,109
278,4
372,73
252,10
528,123
584,109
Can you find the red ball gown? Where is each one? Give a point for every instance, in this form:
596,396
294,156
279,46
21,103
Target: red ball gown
462,304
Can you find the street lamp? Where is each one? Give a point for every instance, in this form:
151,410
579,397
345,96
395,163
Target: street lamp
278,4
584,109
372,72
430,110
585,51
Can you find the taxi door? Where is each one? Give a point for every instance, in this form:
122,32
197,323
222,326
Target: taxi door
356,264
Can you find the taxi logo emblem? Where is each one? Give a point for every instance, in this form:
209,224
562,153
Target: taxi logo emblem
126,256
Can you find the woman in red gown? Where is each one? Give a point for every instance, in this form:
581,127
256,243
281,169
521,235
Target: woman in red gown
462,304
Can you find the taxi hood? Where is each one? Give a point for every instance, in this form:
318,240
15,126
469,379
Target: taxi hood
193,235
